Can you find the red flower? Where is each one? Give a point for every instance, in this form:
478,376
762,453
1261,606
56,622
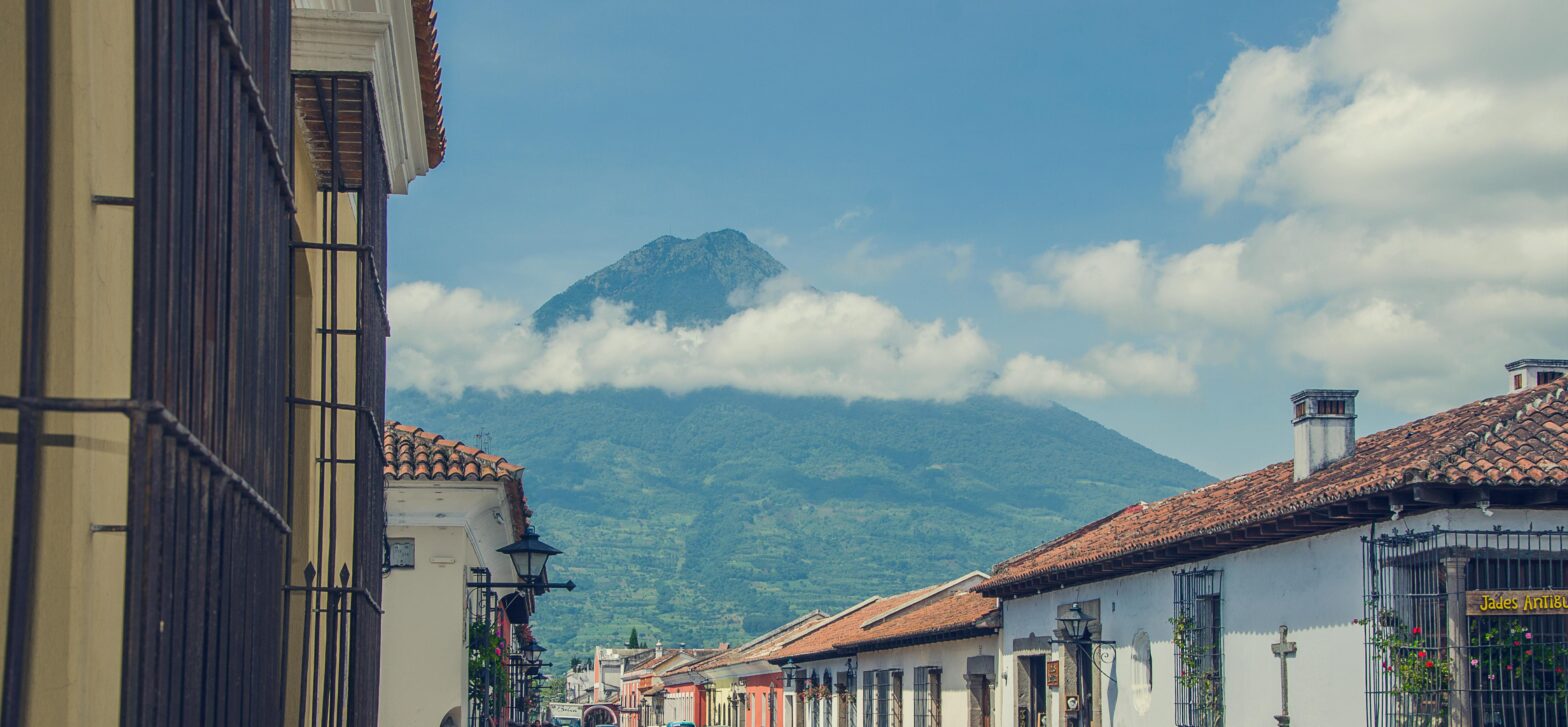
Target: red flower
1421,653
1415,630
1429,663
1516,643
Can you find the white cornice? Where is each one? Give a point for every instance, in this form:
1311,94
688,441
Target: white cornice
381,44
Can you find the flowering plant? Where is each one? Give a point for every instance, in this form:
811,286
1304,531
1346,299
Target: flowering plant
1506,654
486,675
1417,667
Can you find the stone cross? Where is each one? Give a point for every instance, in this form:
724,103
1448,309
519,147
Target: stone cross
1283,649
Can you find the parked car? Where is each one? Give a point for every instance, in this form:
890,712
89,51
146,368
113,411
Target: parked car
679,724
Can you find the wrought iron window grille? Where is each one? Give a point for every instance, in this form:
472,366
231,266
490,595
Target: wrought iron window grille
1462,627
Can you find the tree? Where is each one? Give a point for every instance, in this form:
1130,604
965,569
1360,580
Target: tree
632,642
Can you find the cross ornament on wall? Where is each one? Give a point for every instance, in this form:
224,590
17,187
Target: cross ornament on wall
1283,649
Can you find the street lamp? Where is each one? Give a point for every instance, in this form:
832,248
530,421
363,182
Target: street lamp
529,555
1075,624
791,672
533,650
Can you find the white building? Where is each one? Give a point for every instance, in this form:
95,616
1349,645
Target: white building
449,508
880,662
1415,576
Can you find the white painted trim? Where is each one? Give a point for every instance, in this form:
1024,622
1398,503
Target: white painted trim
380,43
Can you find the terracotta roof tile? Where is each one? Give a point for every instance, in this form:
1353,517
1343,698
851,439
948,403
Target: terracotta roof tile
429,52
762,648
957,613
411,453
1516,440
846,626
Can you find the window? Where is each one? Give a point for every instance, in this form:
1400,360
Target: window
1466,627
896,697
1301,409
928,697
1331,406
867,709
1547,377
1518,381
400,552
882,694
1196,633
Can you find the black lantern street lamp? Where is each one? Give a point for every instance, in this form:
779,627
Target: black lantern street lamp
529,555
1075,624
533,650
791,672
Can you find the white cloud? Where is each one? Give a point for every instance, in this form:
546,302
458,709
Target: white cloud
1402,106
1110,280
1412,160
866,261
849,217
798,343
1104,371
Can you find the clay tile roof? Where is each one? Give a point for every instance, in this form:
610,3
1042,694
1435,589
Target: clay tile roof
846,626
959,614
763,647
429,52
1512,441
411,453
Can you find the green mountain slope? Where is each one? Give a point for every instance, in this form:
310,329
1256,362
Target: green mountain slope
689,280
719,514
716,515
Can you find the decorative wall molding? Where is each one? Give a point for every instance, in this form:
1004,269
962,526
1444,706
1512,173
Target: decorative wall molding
380,43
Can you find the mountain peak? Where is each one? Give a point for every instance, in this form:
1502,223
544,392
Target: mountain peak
690,281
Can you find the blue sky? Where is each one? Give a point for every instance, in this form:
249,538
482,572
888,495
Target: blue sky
962,161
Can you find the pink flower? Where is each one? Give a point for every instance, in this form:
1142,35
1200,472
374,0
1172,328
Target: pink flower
1475,662
1491,677
1529,635
1529,652
1510,667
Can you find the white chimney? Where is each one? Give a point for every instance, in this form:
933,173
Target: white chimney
1528,372
1325,428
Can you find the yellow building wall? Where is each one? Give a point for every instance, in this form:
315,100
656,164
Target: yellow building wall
74,654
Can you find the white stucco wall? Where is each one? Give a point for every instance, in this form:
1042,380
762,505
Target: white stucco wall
1313,586
423,655
952,657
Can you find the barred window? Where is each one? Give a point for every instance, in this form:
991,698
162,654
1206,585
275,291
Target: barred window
1466,627
867,706
1197,634
882,696
928,696
896,697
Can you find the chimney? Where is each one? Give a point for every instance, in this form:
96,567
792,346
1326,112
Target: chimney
1325,428
1528,372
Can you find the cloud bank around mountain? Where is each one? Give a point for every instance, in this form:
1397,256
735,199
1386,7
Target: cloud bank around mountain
793,341
1414,161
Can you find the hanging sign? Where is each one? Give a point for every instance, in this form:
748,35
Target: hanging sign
1516,603
1053,673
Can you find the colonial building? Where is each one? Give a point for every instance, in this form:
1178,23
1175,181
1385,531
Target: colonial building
944,647
642,684
737,687
828,682
1415,576
193,257
450,509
